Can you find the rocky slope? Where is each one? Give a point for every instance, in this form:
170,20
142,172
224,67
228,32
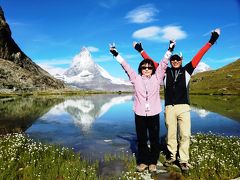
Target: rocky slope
17,71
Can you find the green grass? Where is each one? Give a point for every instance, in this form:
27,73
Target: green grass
22,158
54,92
215,157
224,81
212,157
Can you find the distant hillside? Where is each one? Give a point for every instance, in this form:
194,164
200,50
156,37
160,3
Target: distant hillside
17,71
225,80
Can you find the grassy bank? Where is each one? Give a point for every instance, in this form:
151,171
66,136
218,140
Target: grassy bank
215,157
65,92
69,92
225,81
22,158
212,157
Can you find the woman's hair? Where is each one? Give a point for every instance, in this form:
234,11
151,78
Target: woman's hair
146,61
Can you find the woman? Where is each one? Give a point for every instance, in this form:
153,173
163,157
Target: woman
147,106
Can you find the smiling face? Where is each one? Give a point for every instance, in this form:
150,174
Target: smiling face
176,61
147,70
176,64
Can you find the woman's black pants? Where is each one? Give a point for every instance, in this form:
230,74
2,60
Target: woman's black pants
147,128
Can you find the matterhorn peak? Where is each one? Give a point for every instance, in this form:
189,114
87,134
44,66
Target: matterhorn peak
85,51
83,60
82,63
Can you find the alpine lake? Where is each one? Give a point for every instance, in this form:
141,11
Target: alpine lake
104,123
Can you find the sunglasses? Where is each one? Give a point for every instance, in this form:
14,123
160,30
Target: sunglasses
176,60
144,68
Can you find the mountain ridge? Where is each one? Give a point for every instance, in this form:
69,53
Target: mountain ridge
17,71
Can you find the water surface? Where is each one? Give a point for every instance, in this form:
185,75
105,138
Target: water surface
99,124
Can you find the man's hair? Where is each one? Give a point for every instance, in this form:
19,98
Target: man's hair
146,61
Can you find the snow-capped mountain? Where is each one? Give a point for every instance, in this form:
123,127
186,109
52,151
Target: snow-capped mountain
201,67
85,74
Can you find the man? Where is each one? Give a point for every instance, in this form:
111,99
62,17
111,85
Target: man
177,104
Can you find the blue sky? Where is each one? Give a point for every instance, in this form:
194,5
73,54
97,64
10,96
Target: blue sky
52,32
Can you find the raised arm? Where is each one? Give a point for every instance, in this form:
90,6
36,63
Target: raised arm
138,47
197,58
130,72
161,69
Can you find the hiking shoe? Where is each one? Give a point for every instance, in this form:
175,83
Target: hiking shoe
152,168
185,166
141,167
169,162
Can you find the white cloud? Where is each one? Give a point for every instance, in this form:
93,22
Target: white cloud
54,62
53,70
108,3
92,49
156,33
104,58
229,25
52,65
147,33
224,60
142,14
105,5
15,23
222,27
130,57
173,32
228,60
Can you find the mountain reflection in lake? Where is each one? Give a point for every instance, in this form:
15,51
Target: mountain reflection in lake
99,124
93,124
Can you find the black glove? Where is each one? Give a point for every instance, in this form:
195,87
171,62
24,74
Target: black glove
138,47
214,36
171,45
113,49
